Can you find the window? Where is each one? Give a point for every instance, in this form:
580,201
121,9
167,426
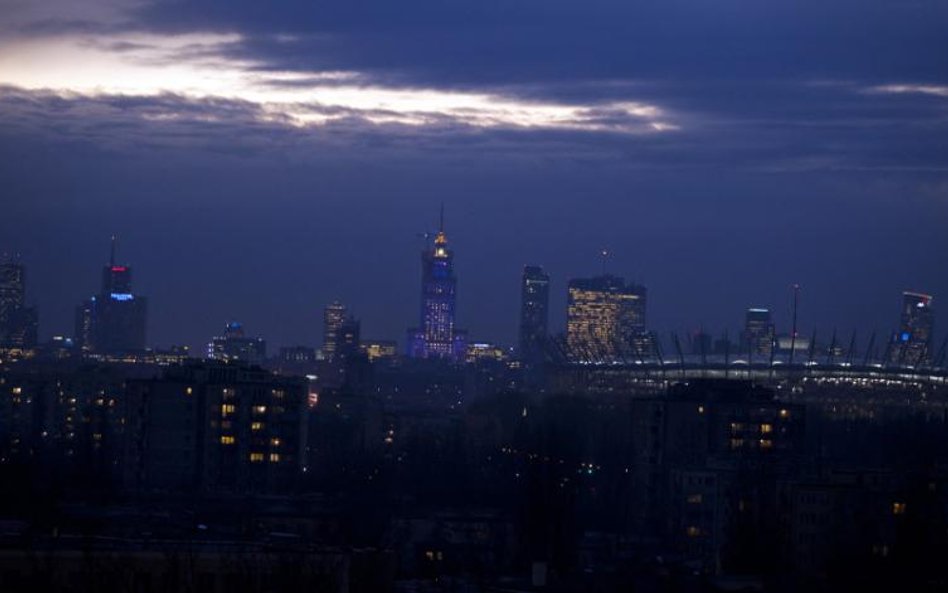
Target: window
693,531
274,458
275,442
784,413
227,439
766,443
278,394
766,428
256,426
898,508
259,409
228,409
256,457
188,391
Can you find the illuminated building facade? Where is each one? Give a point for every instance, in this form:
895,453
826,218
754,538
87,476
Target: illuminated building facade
437,337
534,312
18,323
334,315
113,321
379,349
234,345
912,344
759,332
605,318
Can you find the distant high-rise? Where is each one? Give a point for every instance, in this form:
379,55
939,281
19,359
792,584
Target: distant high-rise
347,338
759,332
114,320
912,344
605,317
534,312
234,345
437,336
333,317
18,323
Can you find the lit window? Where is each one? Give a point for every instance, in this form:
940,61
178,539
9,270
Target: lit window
17,390
275,442
188,391
228,409
274,458
737,443
256,426
766,443
784,413
259,409
898,508
227,393
766,428
227,439
256,457
701,409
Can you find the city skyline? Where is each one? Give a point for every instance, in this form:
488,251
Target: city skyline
335,314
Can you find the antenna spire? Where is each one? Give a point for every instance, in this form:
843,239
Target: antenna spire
112,253
441,219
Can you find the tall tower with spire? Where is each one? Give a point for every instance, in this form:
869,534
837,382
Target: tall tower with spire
437,336
114,320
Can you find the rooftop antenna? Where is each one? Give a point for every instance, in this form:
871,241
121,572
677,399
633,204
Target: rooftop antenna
604,253
441,219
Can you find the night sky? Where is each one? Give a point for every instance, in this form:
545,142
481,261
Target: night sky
260,159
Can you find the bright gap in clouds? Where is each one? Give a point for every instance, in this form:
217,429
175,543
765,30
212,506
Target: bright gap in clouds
194,66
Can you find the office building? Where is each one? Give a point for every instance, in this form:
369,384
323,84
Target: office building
377,350
912,344
437,337
334,315
113,321
759,333
534,313
604,317
234,345
18,323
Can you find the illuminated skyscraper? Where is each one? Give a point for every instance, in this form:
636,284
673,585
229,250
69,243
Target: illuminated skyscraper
18,323
534,312
334,316
605,318
437,336
758,332
115,319
911,345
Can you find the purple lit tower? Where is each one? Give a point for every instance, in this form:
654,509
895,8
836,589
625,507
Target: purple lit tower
437,336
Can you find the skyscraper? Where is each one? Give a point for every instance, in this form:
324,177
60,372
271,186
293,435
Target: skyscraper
334,315
605,318
234,345
758,332
912,343
114,320
534,312
18,323
437,336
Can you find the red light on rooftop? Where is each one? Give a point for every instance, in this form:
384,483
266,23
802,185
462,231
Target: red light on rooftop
119,268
